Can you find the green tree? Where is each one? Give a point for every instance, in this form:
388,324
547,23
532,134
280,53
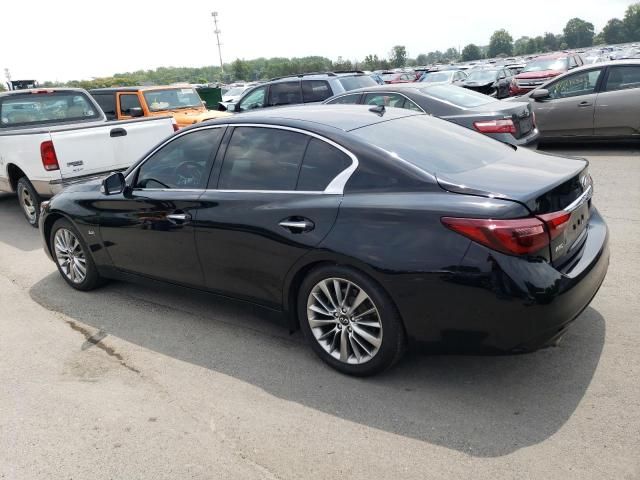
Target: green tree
614,31
520,46
240,70
598,39
578,33
398,56
549,42
422,59
632,22
451,54
471,52
500,43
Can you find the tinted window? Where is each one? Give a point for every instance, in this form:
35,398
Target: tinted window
582,83
254,99
322,163
262,159
284,93
346,99
29,109
434,145
384,99
358,81
182,163
315,90
171,98
127,102
461,97
107,102
621,78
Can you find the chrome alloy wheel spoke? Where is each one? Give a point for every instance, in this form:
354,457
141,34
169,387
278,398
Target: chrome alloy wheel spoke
344,320
70,256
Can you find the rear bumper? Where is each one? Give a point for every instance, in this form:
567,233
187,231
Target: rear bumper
499,302
529,140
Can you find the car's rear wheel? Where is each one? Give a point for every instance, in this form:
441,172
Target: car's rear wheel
72,257
29,201
350,321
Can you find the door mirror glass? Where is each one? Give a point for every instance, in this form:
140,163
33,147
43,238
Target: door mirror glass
540,94
136,112
114,184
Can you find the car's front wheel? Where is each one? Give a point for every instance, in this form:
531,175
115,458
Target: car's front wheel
72,256
350,321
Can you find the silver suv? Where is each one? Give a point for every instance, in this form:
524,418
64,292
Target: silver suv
300,89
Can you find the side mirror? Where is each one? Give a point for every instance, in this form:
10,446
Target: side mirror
540,94
136,112
114,184
234,107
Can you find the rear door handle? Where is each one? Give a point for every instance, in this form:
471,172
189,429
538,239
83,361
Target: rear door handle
585,104
118,132
178,217
297,225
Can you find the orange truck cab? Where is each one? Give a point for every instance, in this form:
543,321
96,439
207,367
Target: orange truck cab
182,102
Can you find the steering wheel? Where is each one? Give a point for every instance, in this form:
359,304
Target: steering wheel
188,173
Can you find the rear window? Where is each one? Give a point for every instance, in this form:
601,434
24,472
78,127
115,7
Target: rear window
357,81
107,102
434,145
32,109
458,96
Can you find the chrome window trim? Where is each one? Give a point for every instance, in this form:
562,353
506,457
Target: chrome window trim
371,92
578,202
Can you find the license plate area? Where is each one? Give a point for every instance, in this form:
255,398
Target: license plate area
565,244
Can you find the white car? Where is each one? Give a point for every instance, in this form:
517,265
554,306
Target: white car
53,137
233,94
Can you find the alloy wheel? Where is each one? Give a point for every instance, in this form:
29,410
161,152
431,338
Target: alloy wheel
70,256
28,204
344,320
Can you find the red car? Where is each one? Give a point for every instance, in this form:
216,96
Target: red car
541,69
398,77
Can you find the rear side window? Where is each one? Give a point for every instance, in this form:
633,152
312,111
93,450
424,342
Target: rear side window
357,81
623,77
460,97
284,93
262,159
129,101
322,163
315,91
31,109
384,99
346,99
107,102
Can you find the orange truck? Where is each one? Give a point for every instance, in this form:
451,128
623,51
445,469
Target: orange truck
182,102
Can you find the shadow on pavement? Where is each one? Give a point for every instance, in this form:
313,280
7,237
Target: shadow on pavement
485,406
593,149
15,231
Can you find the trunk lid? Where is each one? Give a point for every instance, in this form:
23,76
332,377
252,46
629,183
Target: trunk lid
520,112
553,188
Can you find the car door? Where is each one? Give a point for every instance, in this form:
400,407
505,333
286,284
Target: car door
618,103
284,93
148,229
273,198
569,109
256,98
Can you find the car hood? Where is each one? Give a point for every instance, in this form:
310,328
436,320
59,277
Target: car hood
540,74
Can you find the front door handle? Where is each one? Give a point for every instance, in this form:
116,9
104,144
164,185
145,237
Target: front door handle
584,103
297,225
178,217
118,132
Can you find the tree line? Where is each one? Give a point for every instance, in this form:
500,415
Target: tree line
577,33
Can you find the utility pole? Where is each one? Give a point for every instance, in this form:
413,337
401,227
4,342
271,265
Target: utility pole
217,32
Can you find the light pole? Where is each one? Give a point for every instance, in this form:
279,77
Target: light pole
217,32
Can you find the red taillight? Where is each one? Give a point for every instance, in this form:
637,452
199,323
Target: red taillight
556,222
495,126
520,236
48,155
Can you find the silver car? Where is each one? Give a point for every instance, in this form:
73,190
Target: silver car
599,101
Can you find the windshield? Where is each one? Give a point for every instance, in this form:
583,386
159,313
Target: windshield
461,97
438,77
389,76
172,98
235,92
49,107
482,76
434,145
549,64
359,81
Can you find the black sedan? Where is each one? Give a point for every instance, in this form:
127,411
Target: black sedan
511,122
494,82
366,227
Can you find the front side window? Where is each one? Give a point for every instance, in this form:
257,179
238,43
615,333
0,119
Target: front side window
322,163
129,101
48,107
315,91
172,99
254,99
623,77
582,83
184,163
384,99
346,99
262,159
284,93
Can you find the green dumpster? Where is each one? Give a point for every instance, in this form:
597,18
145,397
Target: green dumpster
211,96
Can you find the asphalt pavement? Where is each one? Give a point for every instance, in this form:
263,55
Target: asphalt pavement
143,382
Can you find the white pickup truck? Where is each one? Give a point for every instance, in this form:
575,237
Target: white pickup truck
50,138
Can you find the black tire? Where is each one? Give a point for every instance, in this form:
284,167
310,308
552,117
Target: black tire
393,340
92,278
29,200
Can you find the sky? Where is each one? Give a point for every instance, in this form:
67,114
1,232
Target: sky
68,39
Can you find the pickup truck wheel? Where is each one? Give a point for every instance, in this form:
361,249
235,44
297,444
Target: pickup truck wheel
29,201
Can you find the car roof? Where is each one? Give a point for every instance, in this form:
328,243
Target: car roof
137,89
551,56
341,117
610,63
42,89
